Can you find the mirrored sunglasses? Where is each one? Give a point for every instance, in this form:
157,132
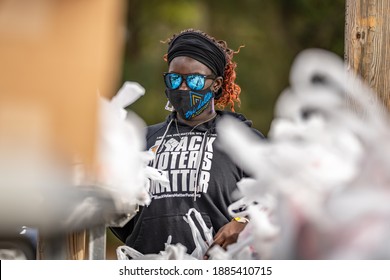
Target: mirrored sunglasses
193,81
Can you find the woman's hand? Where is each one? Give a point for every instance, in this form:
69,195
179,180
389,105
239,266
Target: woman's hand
228,234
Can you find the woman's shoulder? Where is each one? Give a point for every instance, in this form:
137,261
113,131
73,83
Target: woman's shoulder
155,128
243,119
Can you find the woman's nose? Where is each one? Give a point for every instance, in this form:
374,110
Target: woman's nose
183,85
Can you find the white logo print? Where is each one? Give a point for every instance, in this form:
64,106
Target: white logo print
182,162
171,144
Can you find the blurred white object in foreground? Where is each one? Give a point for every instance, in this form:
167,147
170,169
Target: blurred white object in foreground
176,251
326,165
171,252
122,155
127,95
121,142
39,190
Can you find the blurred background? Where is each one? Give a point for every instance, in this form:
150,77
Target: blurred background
273,32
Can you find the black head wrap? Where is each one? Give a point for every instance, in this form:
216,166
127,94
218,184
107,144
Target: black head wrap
200,48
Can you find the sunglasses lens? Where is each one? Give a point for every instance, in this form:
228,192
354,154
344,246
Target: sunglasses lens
195,82
173,81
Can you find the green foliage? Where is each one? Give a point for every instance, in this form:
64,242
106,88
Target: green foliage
273,32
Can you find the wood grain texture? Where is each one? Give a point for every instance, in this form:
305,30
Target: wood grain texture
77,246
367,43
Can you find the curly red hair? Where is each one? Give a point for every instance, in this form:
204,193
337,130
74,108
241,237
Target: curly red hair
230,90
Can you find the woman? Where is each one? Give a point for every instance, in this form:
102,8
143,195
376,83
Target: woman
201,76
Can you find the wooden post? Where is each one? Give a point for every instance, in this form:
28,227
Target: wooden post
367,44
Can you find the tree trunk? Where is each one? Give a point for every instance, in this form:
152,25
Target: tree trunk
367,41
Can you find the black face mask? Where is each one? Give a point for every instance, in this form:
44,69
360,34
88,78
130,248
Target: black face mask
189,103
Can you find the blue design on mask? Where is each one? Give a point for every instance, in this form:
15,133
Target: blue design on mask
200,106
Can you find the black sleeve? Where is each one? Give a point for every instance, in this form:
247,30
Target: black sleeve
123,232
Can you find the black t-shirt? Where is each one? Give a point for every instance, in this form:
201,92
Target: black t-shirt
201,176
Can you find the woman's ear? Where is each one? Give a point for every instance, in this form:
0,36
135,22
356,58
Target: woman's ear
217,84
